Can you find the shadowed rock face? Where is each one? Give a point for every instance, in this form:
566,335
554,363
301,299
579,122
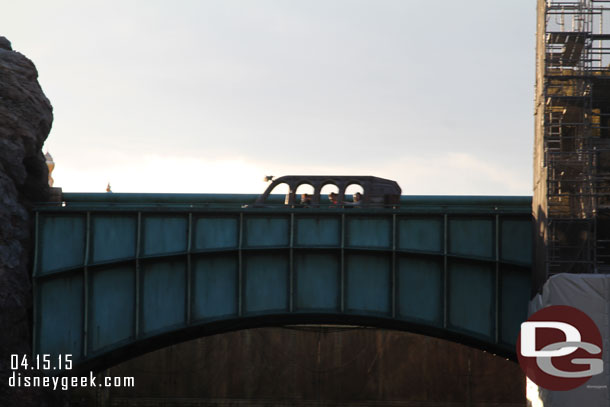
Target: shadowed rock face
25,121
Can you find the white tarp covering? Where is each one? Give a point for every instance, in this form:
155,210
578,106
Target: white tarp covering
589,293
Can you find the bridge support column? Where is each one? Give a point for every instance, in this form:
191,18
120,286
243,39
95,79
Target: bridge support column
589,293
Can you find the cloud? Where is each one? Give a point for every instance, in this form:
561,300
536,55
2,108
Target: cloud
455,173
211,96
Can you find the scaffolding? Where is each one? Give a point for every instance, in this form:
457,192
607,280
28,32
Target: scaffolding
576,136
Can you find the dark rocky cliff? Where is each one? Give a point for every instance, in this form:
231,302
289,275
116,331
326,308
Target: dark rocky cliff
25,121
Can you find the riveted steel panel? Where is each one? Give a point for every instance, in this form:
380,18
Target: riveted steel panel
368,283
270,268
60,327
266,282
514,296
516,240
471,297
315,231
267,231
114,237
370,232
111,306
471,237
317,281
420,289
216,233
164,234
214,286
163,295
421,234
62,242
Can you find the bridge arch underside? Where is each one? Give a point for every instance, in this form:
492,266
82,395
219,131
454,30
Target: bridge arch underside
111,284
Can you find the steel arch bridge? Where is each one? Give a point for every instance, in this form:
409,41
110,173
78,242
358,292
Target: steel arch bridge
117,275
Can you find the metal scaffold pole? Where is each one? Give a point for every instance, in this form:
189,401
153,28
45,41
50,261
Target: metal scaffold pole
573,112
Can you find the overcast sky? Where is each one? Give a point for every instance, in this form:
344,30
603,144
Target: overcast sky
210,96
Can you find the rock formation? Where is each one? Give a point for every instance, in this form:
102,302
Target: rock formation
25,121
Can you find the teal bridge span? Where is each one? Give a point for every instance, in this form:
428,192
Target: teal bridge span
117,275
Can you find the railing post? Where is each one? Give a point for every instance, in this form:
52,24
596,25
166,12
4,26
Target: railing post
445,271
86,285
342,276
291,266
394,288
497,281
35,283
189,269
240,273
137,276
